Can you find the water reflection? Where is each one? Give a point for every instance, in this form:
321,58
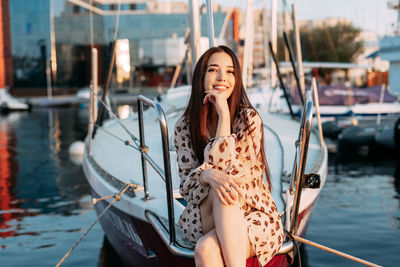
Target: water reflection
36,175
9,209
396,176
45,202
358,212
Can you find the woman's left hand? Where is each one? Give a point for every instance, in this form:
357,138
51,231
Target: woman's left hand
227,188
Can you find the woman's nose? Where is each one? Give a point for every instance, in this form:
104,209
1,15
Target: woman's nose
221,76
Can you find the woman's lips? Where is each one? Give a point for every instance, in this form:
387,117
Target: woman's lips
220,88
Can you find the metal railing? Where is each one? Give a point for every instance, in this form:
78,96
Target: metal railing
298,171
301,153
166,174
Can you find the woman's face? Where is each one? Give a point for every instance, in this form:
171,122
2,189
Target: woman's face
220,74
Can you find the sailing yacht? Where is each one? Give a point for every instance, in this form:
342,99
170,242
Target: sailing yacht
130,165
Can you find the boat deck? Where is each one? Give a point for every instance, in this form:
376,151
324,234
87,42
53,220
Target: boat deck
111,153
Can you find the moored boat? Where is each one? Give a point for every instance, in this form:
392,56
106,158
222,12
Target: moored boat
142,225
10,103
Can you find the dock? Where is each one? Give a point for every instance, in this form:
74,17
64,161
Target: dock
125,97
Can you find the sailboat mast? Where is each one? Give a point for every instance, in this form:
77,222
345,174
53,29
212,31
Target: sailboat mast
247,53
274,38
299,55
194,23
53,55
210,22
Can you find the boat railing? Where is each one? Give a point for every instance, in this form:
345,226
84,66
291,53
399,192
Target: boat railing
317,112
299,180
164,174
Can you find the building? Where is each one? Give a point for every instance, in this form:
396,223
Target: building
155,31
390,50
6,74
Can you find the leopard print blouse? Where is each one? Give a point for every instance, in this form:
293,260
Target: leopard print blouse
238,155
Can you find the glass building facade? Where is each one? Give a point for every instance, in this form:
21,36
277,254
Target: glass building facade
30,41
156,41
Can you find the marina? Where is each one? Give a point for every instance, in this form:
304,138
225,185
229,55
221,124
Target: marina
46,206
102,165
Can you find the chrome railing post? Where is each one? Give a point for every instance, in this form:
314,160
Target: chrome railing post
142,147
317,112
167,165
302,141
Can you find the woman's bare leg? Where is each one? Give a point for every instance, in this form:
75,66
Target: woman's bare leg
206,215
207,251
231,230
230,234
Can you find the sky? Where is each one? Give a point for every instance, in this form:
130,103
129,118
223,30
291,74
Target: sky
372,15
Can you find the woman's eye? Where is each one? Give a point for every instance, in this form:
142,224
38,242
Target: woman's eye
211,70
231,71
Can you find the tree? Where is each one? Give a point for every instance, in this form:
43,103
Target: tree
339,43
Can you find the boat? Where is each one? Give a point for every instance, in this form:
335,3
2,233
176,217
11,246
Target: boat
389,135
139,225
383,134
131,168
342,101
10,103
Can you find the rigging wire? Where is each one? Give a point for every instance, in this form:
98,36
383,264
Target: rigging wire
126,142
117,197
117,20
133,137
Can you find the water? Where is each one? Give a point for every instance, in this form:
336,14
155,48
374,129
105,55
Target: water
45,203
358,213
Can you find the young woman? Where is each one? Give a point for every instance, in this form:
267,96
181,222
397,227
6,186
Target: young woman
230,214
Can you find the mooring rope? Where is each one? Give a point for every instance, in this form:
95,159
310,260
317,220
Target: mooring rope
334,251
117,197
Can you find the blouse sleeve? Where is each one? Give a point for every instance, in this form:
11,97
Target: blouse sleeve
221,153
227,153
189,168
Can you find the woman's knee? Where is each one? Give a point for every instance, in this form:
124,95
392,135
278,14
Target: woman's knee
215,198
206,248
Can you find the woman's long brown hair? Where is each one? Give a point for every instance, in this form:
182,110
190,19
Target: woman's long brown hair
196,112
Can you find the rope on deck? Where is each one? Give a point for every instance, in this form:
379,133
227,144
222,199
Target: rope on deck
336,252
117,197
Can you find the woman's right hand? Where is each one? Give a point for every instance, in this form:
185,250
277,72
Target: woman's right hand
227,188
219,99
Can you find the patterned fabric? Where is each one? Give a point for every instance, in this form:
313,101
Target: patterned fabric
238,155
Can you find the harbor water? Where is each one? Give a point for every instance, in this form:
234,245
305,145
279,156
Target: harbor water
45,203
